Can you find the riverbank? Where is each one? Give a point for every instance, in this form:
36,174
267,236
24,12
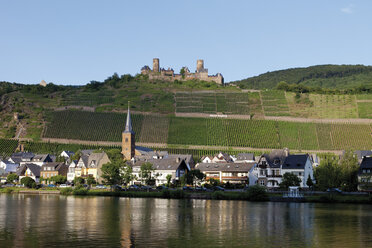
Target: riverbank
217,195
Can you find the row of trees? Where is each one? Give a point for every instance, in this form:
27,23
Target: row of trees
299,88
331,173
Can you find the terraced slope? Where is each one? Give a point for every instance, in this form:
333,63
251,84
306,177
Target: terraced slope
81,125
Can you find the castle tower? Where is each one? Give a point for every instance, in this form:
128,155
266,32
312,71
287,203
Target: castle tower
199,65
155,65
128,145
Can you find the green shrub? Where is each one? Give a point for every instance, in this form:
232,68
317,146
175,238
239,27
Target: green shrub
28,182
173,194
66,191
8,190
257,193
80,190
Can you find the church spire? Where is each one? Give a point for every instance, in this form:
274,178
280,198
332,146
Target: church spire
128,125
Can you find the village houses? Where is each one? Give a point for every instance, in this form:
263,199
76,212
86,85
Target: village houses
271,168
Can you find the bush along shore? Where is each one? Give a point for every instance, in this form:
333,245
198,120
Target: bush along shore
255,193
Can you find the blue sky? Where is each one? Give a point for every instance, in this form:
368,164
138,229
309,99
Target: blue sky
74,42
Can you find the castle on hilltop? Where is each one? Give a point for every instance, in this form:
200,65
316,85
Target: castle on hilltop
201,73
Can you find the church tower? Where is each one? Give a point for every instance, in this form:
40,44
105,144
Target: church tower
128,145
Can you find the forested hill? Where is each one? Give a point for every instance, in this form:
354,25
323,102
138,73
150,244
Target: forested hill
324,76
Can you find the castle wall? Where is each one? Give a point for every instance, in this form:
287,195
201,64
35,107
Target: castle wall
168,75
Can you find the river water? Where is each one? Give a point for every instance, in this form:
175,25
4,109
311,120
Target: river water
68,221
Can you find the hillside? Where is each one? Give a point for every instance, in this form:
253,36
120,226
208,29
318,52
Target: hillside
178,114
324,76
181,131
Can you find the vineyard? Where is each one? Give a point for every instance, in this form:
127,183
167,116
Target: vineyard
322,106
274,103
90,126
213,103
56,148
7,147
211,131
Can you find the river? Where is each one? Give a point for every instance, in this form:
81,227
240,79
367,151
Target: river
68,221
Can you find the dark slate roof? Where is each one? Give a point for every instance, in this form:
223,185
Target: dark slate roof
42,158
276,158
245,156
361,154
35,169
86,152
293,162
20,156
366,163
128,124
225,167
161,164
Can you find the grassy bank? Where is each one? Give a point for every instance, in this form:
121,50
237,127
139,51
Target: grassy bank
333,198
253,195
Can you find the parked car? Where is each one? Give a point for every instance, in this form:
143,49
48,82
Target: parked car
218,188
117,187
133,186
8,185
187,188
335,190
64,186
100,186
161,187
144,187
51,186
200,189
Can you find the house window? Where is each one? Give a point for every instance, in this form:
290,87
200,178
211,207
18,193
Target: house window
262,183
126,139
300,174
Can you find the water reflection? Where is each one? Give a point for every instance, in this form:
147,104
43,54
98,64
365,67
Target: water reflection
58,221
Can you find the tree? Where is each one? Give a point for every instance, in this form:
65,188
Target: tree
11,178
349,171
90,180
28,182
76,156
182,72
114,154
328,174
127,174
194,175
78,181
169,178
282,85
146,173
59,179
111,172
309,182
290,179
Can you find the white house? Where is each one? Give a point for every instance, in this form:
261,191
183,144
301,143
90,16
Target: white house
7,167
206,159
271,168
235,173
301,165
67,154
71,171
29,170
176,167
